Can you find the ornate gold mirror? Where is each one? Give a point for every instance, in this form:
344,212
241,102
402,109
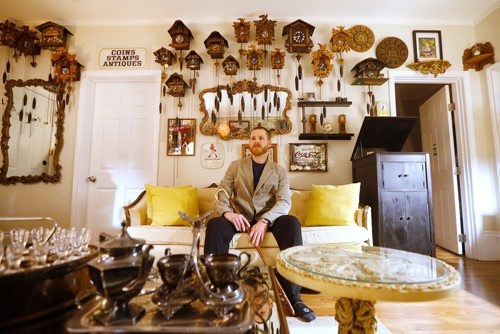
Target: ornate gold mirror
32,132
230,112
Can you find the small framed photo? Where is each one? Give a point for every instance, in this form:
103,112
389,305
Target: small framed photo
181,136
239,129
273,151
427,45
308,157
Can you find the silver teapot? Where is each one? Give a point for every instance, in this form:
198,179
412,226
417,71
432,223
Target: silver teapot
119,274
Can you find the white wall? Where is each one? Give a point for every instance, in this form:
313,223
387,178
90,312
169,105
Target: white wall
54,200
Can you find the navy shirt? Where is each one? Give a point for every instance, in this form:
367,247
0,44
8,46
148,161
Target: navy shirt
257,172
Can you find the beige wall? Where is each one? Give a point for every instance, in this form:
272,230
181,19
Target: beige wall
55,200
488,30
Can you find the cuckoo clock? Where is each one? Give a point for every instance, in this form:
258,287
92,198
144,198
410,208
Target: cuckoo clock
53,35
176,85
241,30
277,62
215,44
264,30
478,56
181,37
8,34
26,44
66,68
322,66
230,65
193,62
254,59
368,68
298,38
164,57
340,39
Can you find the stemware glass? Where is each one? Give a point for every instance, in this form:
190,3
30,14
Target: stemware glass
19,236
14,255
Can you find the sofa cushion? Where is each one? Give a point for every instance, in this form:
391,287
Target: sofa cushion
300,204
333,205
166,202
151,191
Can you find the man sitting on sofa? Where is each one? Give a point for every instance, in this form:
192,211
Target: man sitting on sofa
261,191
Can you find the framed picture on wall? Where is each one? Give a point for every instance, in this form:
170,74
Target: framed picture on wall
239,129
308,157
427,45
273,151
181,136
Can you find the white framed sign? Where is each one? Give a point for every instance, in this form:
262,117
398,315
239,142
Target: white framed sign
119,58
212,155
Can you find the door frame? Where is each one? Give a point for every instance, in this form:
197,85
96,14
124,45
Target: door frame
84,131
466,142
494,86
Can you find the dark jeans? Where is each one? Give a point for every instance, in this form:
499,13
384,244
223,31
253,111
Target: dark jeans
286,231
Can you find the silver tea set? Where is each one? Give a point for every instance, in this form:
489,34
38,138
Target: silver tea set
122,268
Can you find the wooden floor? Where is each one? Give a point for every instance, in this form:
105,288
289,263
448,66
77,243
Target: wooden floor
475,309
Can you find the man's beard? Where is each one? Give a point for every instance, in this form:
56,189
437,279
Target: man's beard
258,150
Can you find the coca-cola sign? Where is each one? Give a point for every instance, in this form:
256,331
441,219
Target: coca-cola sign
308,157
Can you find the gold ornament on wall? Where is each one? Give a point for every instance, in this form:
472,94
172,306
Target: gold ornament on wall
434,67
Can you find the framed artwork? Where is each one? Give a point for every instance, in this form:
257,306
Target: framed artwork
308,157
427,45
273,151
240,129
181,136
212,155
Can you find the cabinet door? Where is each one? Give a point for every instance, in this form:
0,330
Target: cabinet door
414,176
393,175
393,229
418,222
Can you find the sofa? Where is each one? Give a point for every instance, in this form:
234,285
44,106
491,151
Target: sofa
179,238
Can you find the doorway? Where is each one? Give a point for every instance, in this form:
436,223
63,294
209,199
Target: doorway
117,145
434,133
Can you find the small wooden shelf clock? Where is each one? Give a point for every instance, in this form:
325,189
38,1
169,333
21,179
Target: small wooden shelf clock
478,56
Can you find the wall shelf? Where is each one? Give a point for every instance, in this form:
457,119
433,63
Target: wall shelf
326,136
360,81
321,104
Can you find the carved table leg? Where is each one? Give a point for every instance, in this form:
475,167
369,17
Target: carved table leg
355,316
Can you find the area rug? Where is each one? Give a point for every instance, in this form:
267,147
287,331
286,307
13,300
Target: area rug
322,325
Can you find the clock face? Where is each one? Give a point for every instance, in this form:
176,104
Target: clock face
298,36
254,60
327,127
215,47
179,38
322,66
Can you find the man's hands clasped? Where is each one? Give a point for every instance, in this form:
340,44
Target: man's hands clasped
241,224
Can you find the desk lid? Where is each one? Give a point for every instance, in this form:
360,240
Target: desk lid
382,133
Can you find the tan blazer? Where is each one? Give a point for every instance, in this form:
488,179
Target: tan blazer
269,200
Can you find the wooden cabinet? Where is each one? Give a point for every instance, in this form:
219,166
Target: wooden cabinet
397,186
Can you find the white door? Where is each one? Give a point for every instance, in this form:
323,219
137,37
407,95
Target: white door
124,150
437,140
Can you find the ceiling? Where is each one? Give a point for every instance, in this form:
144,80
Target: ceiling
130,12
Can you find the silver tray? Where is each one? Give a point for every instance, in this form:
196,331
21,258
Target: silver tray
192,318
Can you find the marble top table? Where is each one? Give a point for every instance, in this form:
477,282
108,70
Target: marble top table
361,275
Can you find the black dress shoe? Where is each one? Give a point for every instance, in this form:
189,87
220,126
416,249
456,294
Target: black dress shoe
303,312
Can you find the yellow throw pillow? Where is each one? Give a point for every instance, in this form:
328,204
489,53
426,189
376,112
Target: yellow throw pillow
333,205
164,204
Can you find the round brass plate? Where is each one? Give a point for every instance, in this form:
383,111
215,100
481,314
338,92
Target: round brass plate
392,51
362,38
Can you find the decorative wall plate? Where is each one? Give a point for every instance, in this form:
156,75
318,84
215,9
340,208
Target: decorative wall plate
362,38
392,51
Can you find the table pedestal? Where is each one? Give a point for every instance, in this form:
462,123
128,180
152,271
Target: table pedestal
355,316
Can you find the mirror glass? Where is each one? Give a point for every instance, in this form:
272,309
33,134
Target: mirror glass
31,132
230,112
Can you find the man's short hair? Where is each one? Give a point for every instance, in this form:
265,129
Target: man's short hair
259,127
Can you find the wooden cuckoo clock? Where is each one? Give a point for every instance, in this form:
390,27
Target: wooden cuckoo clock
277,62
241,30
8,34
215,44
164,57
176,87
254,59
66,68
230,66
340,44
264,30
193,62
322,64
26,44
53,35
181,38
298,38
367,73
